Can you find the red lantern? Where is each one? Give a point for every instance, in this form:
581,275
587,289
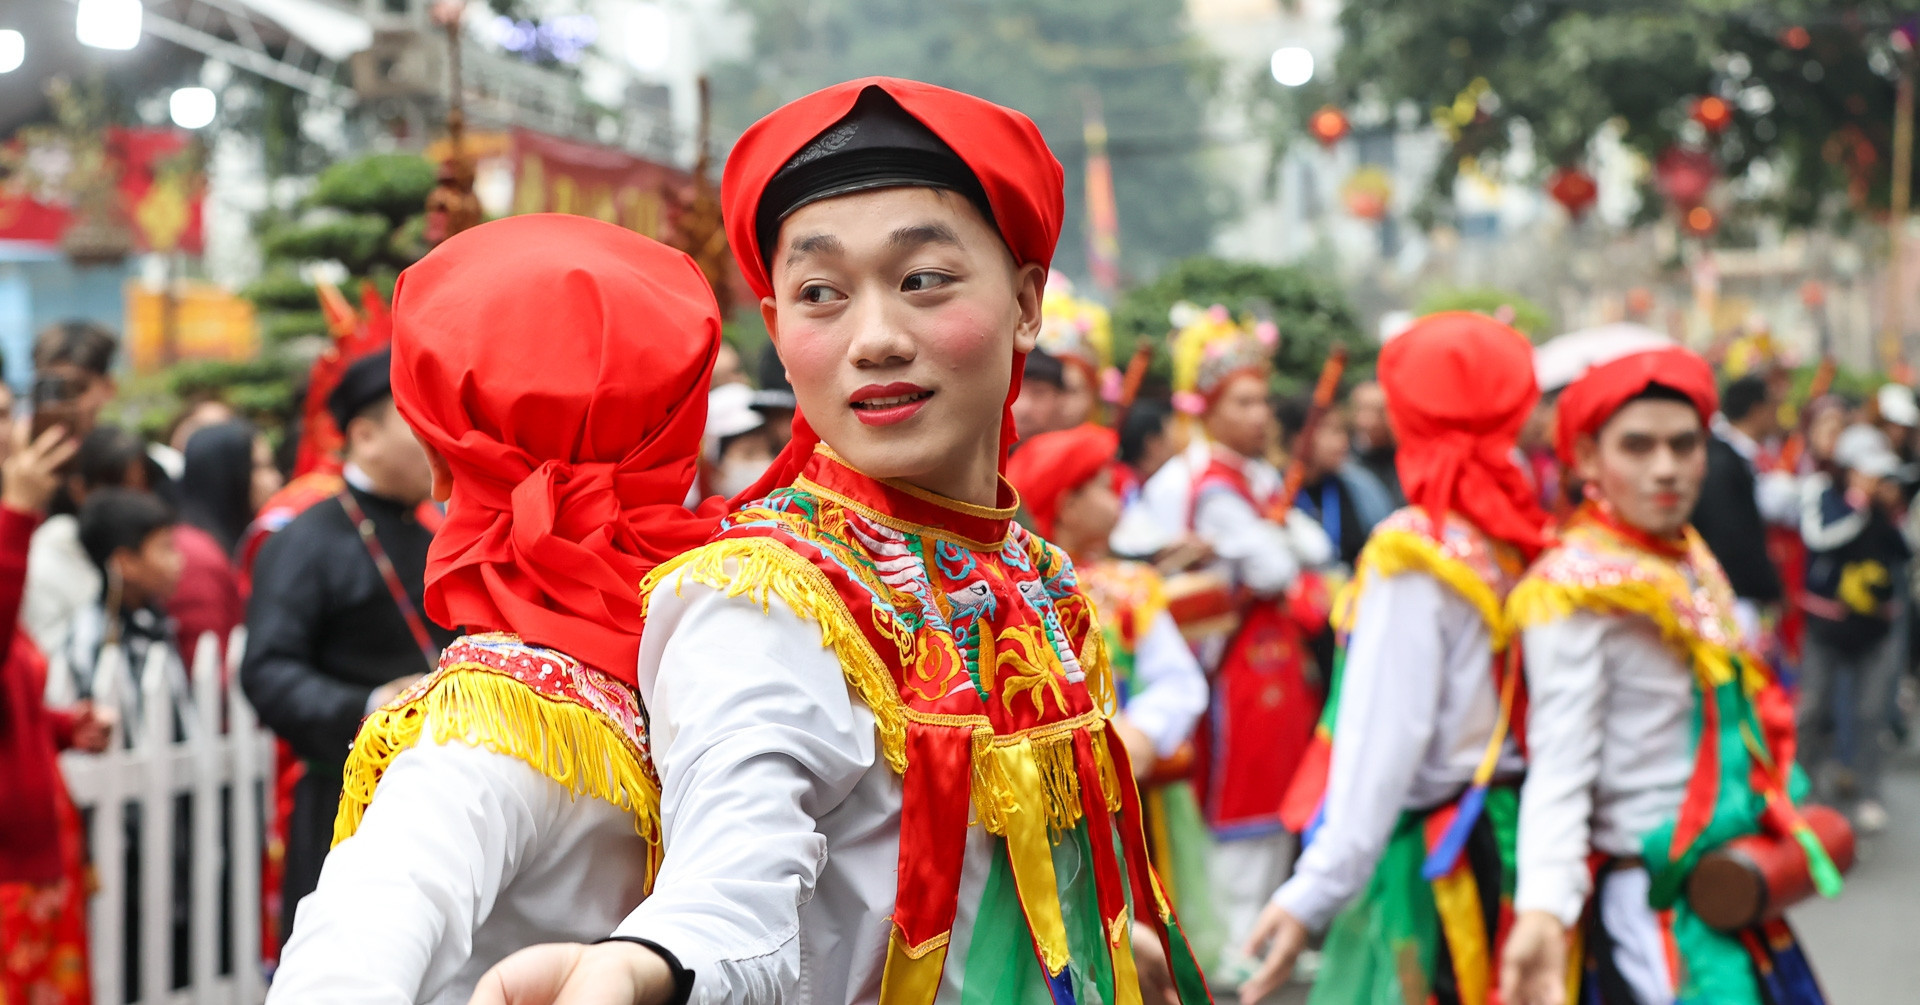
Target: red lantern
1328,125
1713,113
1684,176
1701,221
1796,38
1574,189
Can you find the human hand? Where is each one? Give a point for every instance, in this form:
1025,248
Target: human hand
92,727
1139,746
31,473
1533,970
1189,552
1150,963
606,973
1283,936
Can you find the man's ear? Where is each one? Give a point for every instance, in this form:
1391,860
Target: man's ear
442,471
1586,459
1029,289
770,316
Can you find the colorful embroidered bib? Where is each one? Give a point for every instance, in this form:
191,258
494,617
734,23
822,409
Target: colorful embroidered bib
969,640
1743,773
572,723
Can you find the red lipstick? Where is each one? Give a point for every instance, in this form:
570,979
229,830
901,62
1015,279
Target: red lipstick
886,404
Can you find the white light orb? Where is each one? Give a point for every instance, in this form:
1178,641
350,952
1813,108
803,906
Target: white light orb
13,50
191,107
108,24
1292,66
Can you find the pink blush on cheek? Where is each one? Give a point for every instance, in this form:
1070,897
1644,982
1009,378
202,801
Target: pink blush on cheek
963,339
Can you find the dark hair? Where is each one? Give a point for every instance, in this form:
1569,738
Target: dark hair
216,488
1145,420
1742,396
772,372
82,344
1044,368
1659,392
113,519
104,457
1291,412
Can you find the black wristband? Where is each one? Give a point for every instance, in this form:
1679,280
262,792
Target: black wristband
682,977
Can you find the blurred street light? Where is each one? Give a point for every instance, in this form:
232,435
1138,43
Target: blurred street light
191,107
109,24
13,50
1292,66
649,38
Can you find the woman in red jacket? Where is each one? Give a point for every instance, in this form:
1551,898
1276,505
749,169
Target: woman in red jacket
43,895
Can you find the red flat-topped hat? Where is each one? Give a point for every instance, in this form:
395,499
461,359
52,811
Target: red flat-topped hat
877,133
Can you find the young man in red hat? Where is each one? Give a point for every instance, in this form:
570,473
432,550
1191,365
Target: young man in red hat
507,799
1408,854
878,704
1653,739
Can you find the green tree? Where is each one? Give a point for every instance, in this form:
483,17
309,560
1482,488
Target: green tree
1310,310
1044,57
1528,318
1811,84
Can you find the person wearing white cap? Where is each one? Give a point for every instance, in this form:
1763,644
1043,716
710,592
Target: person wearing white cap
1899,414
1856,556
737,447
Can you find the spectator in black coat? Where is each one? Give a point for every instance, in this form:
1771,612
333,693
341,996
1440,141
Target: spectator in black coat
1728,515
328,639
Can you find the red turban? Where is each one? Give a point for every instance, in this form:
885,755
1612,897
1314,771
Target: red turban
1019,176
1048,466
560,365
1589,402
1459,386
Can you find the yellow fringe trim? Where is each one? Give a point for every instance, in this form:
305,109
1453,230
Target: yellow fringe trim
761,569
1536,601
1391,552
479,707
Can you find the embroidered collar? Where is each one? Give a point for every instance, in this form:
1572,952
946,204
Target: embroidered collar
905,508
1600,558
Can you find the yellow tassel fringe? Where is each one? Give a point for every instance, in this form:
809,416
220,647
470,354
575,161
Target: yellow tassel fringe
1391,552
1538,601
480,707
761,568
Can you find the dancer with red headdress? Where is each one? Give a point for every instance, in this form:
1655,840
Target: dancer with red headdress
879,705
507,798
1408,801
1655,740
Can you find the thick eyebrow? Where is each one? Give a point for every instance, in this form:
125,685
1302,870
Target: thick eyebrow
815,244
922,234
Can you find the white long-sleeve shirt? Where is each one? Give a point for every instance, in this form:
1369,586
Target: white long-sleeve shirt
1257,553
781,820
463,857
1417,705
1170,690
1609,743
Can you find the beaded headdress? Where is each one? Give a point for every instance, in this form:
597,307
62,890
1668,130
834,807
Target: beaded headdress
1209,346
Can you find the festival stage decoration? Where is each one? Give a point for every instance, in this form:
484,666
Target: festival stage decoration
1574,189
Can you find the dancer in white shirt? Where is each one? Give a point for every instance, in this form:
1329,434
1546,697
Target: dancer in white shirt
506,799
1653,739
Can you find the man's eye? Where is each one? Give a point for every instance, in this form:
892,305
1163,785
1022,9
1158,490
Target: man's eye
920,282
818,293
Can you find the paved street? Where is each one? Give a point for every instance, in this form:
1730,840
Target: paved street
1866,944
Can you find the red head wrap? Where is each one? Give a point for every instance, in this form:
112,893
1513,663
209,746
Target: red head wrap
1048,466
1003,148
1459,386
560,365
1589,402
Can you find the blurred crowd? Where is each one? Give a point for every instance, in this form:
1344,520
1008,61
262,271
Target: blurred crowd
109,540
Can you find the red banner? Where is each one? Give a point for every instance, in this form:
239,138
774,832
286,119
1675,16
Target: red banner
160,192
552,175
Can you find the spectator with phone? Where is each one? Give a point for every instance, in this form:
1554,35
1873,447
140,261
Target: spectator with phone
73,379
43,876
62,581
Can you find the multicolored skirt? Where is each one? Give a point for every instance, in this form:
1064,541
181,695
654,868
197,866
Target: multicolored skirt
1628,953
1180,844
43,928
1407,939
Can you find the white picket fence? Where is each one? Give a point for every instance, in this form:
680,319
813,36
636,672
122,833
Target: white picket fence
219,746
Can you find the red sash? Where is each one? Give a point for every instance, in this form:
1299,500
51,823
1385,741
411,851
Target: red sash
1266,695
